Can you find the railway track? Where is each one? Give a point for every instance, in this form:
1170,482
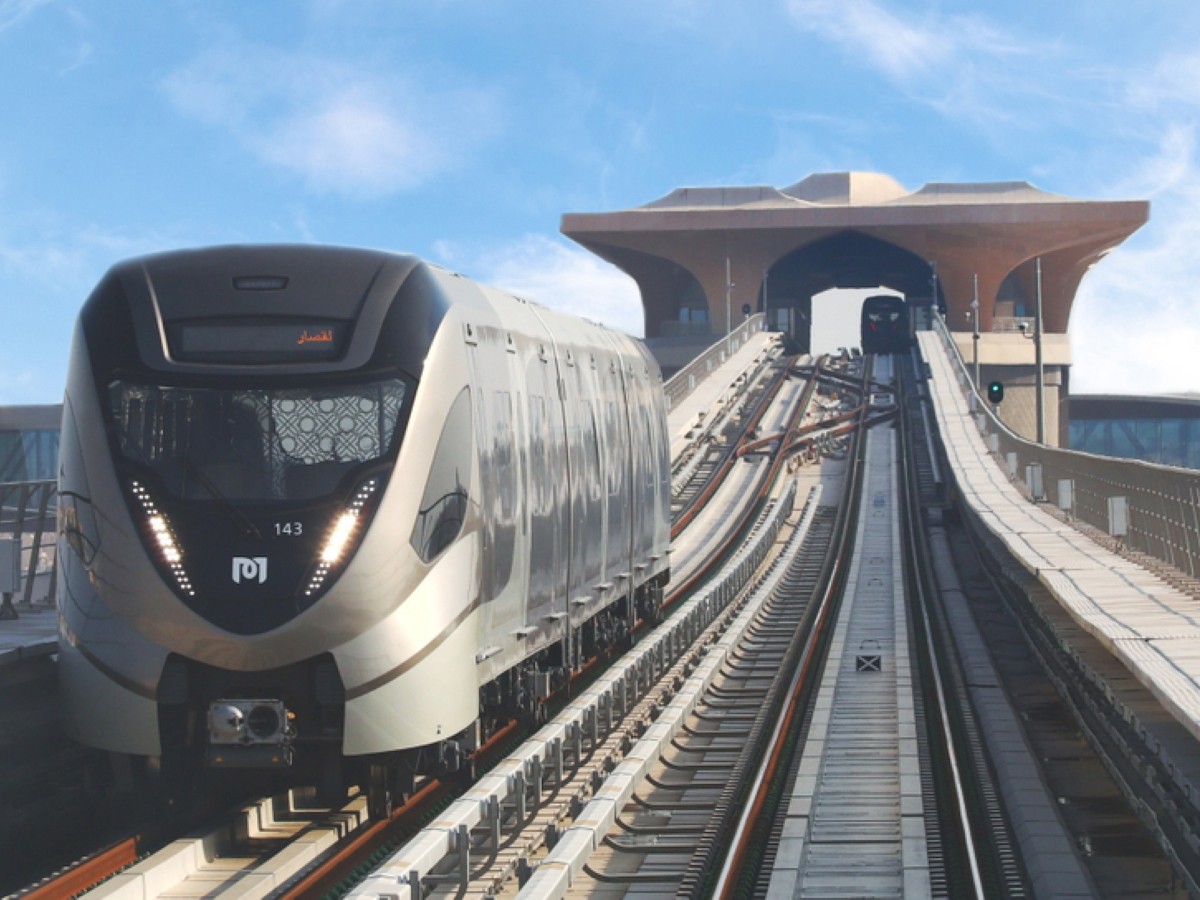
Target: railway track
667,832
521,851
860,745
656,684
1028,842
744,489
680,765
713,452
674,827
692,745
747,490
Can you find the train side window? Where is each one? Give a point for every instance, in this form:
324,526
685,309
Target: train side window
447,491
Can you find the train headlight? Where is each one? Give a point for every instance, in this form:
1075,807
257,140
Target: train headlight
246,722
341,536
226,723
163,537
335,545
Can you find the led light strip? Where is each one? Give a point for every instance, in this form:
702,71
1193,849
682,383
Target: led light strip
340,537
165,538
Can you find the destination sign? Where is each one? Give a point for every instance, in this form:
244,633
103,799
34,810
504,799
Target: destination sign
257,342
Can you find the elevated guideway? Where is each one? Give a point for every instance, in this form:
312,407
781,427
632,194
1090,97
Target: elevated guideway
1117,627
1136,616
714,381
855,822
1149,624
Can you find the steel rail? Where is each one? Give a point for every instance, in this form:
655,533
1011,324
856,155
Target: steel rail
729,455
325,875
635,689
922,584
340,868
333,868
685,587
734,864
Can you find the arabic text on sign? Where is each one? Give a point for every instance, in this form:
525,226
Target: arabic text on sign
320,337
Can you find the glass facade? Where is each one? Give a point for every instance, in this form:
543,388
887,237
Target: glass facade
29,443
1163,430
28,455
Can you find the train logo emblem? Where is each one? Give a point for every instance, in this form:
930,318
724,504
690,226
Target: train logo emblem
251,568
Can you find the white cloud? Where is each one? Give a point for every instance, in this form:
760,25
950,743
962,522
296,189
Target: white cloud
13,11
55,257
1134,327
1175,80
48,268
903,46
874,35
83,56
556,274
340,127
962,66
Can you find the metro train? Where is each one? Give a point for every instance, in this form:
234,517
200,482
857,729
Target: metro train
328,516
885,324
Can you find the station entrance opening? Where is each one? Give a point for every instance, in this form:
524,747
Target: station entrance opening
987,256
846,260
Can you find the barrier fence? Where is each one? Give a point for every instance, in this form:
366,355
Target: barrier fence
683,382
28,516
1152,508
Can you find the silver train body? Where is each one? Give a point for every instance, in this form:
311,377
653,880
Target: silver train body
323,506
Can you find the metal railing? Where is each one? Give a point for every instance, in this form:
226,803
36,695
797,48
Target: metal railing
28,514
1161,504
1011,324
685,380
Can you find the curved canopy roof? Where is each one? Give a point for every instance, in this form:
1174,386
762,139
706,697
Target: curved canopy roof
989,231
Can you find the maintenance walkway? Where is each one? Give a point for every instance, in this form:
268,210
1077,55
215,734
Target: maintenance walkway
1149,627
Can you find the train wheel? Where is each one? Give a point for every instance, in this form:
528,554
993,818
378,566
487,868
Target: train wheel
381,799
534,715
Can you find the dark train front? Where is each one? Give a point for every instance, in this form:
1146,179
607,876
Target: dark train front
297,501
886,327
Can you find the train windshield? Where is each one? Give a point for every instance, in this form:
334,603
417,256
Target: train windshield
253,444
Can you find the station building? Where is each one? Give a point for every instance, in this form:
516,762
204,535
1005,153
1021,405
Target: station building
1162,429
29,442
988,255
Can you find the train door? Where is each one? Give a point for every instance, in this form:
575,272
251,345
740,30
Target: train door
498,471
548,497
622,466
618,448
519,440
573,409
637,403
592,477
571,506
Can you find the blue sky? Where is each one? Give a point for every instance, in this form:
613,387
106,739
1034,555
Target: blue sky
461,130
